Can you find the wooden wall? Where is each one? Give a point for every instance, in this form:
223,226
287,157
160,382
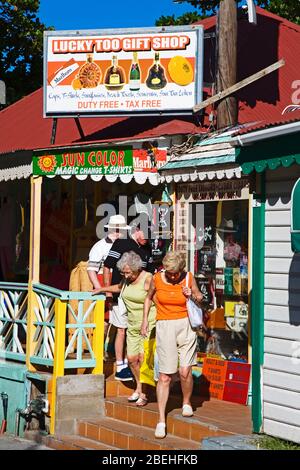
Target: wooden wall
281,377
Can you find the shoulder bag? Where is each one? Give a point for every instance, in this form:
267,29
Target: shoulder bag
121,304
195,313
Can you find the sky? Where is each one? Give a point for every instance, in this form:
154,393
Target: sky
98,14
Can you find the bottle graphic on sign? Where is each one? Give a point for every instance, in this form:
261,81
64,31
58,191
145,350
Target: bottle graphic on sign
135,74
114,77
156,76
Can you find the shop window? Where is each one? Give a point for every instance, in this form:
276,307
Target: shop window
220,265
295,218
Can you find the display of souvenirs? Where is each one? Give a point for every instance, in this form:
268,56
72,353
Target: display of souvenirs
236,281
241,310
228,276
207,261
163,216
221,272
238,322
229,308
159,248
206,289
238,325
244,274
220,281
216,319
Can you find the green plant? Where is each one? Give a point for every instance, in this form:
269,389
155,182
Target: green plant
274,443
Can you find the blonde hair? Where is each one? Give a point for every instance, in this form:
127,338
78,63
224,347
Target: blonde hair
174,261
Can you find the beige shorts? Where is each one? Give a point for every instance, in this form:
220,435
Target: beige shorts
117,319
176,343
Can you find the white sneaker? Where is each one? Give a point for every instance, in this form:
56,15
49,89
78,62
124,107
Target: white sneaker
187,410
160,431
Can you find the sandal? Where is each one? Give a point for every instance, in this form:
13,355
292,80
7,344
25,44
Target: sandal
134,397
141,401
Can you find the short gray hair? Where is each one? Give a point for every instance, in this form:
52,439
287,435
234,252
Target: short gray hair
132,260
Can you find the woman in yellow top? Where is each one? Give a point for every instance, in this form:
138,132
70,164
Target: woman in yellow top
134,289
175,339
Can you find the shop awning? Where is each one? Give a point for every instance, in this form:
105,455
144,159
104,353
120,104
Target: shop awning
212,174
25,171
282,151
271,164
202,164
123,164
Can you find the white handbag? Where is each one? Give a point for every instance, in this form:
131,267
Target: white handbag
121,304
195,313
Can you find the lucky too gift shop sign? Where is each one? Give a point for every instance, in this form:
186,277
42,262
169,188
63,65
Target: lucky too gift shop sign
134,72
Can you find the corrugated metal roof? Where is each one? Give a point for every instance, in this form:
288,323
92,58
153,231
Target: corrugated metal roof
281,120
23,127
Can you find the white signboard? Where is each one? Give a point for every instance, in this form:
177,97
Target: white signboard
132,72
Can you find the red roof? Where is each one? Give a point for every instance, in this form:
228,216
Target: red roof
288,118
23,127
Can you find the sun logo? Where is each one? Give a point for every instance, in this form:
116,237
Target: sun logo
48,163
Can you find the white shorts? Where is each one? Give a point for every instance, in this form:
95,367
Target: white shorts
119,321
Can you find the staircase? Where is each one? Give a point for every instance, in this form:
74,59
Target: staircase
126,426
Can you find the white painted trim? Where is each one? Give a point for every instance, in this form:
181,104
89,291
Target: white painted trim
267,133
221,173
18,172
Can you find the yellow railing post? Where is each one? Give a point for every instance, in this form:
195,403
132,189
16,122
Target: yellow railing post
59,353
30,343
34,262
98,336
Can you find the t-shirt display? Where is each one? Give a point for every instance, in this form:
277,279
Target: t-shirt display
221,272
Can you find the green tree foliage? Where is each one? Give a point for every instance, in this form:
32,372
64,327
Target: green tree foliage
186,18
21,47
287,9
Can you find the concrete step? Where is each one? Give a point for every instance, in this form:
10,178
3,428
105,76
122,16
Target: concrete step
74,443
127,436
187,428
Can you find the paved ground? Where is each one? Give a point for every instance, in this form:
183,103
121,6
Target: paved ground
8,442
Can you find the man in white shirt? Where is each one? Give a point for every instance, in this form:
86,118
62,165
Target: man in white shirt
137,242
116,228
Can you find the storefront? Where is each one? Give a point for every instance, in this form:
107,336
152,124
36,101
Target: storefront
82,187
212,227
217,247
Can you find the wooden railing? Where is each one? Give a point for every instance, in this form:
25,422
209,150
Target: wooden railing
47,327
13,321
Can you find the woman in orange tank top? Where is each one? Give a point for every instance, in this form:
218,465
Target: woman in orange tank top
176,342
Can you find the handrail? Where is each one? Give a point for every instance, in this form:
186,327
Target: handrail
45,322
14,285
66,295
